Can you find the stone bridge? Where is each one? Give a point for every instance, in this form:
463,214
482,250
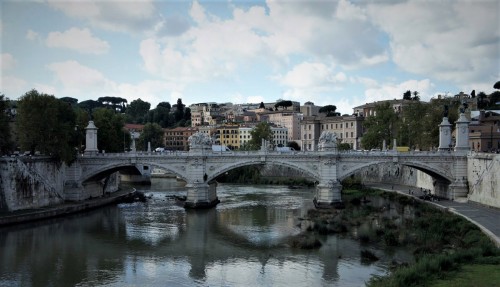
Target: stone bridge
200,168
327,167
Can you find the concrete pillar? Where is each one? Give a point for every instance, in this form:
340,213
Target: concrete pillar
444,135
201,195
91,139
462,134
328,191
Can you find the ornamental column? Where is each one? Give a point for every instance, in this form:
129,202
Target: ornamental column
444,135
462,134
91,139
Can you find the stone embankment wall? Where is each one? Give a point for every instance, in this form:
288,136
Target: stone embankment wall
483,174
396,174
29,183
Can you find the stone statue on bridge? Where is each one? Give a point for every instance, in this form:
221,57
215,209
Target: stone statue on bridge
327,141
199,140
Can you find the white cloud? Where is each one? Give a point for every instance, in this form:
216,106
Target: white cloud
75,77
76,80
8,62
122,16
32,35
312,75
80,40
449,40
13,87
391,91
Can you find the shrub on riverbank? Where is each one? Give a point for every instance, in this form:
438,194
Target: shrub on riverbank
441,242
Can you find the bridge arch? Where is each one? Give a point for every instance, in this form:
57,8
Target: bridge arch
105,170
431,170
227,167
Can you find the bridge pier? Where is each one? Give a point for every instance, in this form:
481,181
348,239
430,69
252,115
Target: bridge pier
201,195
328,195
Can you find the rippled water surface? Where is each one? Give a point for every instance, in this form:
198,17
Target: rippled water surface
241,242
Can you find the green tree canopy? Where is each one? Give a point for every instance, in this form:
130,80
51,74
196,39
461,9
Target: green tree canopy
152,133
5,139
89,106
407,95
294,145
379,127
46,124
261,131
116,103
110,134
497,85
329,110
137,111
285,104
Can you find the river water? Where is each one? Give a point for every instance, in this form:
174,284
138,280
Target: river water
241,242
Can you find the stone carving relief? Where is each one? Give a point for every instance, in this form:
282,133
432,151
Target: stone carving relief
328,138
199,139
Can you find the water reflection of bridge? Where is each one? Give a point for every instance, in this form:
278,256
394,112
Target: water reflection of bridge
199,242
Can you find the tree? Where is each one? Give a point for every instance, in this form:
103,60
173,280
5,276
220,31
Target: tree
411,131
416,97
379,127
343,146
179,110
294,145
284,104
433,117
46,124
481,103
497,85
110,135
261,131
5,140
89,106
152,133
407,95
71,101
329,110
137,111
115,103
161,115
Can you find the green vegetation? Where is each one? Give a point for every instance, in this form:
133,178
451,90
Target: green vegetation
47,125
479,275
251,175
329,110
5,141
152,133
442,243
261,131
379,127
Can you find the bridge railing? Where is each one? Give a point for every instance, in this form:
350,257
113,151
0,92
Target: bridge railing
273,152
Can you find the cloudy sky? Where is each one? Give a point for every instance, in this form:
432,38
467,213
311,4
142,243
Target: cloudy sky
345,52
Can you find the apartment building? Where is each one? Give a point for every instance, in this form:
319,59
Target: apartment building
289,120
177,138
349,129
484,131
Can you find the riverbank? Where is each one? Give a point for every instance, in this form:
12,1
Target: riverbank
23,216
441,242
484,217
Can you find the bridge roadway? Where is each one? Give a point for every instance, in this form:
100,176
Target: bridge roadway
200,167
